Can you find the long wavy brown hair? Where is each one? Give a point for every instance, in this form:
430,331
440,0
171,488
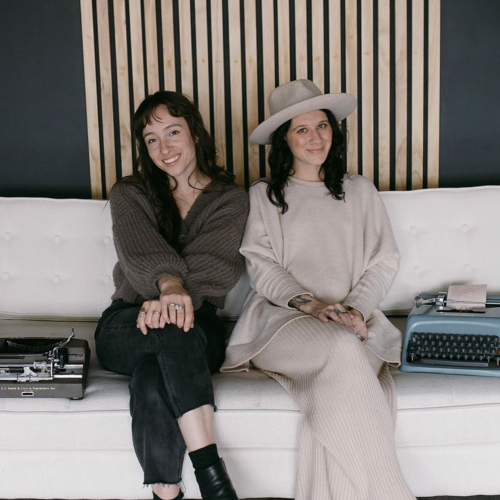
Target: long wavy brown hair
159,188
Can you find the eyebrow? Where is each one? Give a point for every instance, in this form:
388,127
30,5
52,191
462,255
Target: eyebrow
319,123
165,128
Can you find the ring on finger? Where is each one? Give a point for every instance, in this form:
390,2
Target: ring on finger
143,310
178,307
156,312
337,312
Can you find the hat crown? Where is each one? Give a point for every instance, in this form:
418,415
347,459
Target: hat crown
291,93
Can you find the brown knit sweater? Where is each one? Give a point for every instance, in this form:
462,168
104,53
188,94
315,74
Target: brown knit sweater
209,263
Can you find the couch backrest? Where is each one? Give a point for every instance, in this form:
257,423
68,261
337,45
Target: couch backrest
57,256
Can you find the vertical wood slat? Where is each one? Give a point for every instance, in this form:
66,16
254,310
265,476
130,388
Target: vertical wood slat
401,95
107,112
434,88
384,94
352,83
367,85
417,116
122,65
218,79
134,54
168,44
89,62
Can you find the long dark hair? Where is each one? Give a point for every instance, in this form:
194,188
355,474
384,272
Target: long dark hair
281,164
156,182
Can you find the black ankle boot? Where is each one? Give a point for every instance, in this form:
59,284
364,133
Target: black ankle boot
215,483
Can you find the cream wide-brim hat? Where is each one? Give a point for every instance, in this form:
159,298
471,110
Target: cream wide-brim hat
296,98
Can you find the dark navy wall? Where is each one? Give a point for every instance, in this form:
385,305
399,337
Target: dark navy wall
43,131
470,95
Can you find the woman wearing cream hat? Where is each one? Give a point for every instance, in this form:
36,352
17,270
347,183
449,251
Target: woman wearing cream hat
321,256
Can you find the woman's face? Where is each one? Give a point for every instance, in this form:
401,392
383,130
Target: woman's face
309,139
170,144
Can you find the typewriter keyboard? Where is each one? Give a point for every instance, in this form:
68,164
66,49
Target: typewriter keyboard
445,349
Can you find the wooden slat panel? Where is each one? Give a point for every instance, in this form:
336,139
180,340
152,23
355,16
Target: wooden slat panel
401,95
352,83
283,40
91,98
108,129
218,75
384,94
167,31
202,62
417,116
186,48
252,85
122,65
300,39
434,88
367,81
136,49
236,91
318,51
220,88
151,46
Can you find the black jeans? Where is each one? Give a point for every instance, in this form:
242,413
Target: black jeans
170,372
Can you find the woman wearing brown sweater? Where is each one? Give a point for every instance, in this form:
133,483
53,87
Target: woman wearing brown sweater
177,225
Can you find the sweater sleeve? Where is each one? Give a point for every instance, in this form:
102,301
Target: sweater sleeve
261,244
381,255
143,253
212,257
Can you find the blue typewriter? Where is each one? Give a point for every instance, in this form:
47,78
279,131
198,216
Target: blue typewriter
441,339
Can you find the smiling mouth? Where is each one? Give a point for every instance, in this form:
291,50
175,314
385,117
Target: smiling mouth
168,161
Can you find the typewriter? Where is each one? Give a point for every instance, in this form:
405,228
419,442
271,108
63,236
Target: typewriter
43,367
441,338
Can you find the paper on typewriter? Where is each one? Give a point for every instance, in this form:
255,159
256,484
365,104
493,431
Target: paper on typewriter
466,297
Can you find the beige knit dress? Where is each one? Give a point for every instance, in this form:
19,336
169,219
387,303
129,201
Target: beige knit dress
338,251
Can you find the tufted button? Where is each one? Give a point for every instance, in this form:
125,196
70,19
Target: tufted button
57,239
5,276
465,227
56,278
413,230
107,240
468,267
107,278
7,236
417,269
182,238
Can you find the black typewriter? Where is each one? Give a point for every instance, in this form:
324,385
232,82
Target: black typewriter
43,367
442,339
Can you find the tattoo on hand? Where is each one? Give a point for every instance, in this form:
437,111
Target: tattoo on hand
298,301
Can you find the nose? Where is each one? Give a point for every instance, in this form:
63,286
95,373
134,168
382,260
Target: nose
315,136
165,145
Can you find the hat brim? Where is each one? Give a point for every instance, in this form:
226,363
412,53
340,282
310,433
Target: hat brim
341,105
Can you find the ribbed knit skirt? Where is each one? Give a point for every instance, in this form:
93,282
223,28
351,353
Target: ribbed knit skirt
347,396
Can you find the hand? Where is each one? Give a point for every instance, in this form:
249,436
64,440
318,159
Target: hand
352,319
176,304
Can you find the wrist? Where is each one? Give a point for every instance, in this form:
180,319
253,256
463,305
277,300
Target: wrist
165,283
300,301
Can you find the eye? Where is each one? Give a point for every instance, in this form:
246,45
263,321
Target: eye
150,141
174,132
302,130
323,125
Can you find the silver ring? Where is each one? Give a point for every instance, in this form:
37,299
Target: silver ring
172,304
337,312
156,312
178,307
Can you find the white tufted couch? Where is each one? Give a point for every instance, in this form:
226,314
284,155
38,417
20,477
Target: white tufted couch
56,260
